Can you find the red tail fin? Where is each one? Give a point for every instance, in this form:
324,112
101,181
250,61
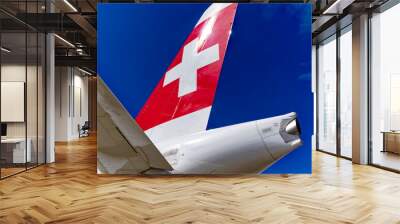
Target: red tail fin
181,102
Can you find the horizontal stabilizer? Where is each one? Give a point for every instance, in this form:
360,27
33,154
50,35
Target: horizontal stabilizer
123,147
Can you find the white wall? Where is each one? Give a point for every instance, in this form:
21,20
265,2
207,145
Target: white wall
12,73
81,103
16,73
71,102
61,103
33,126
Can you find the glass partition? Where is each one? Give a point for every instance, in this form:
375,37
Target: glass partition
14,145
22,89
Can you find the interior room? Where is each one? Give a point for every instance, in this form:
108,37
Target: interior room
51,86
22,102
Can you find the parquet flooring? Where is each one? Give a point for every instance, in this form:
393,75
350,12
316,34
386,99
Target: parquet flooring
69,191
10,171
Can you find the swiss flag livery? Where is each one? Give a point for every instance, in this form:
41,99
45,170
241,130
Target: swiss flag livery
190,82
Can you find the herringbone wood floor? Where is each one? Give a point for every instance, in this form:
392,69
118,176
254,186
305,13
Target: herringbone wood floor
69,191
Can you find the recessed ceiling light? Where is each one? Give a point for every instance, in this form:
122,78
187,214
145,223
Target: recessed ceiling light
64,40
5,50
70,5
337,7
84,71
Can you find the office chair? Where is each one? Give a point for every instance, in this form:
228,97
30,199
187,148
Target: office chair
84,130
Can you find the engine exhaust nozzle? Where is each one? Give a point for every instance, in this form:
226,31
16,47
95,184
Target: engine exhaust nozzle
293,127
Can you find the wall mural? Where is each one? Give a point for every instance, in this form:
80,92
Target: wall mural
204,88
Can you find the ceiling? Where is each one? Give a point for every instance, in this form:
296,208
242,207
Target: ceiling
75,22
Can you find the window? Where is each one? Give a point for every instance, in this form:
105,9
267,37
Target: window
326,140
385,89
346,92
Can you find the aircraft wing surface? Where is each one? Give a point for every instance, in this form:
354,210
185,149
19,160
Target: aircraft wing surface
123,147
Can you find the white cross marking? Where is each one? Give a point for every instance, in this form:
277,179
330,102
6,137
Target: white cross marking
192,60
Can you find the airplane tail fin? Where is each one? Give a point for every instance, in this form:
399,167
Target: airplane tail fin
181,102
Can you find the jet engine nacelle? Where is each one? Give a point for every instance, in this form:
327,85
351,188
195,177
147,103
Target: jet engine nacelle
242,148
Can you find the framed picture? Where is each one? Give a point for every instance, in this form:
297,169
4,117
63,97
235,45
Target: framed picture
221,88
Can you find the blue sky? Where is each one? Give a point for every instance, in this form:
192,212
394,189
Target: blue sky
266,71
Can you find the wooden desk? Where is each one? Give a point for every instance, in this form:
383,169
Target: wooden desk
391,141
13,150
